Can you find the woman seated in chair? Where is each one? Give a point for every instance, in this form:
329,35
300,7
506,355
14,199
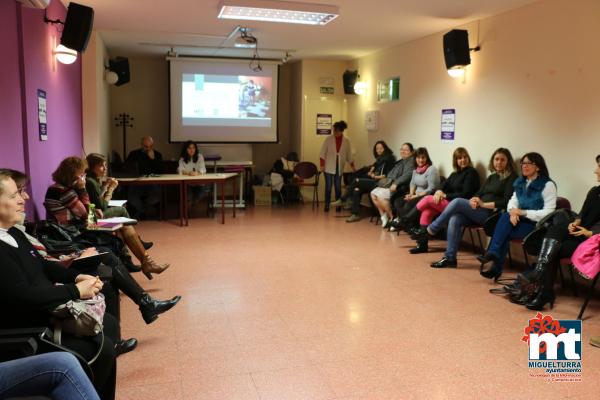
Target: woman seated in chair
67,202
493,195
28,292
461,184
191,163
560,241
149,307
367,180
425,178
534,197
55,375
397,180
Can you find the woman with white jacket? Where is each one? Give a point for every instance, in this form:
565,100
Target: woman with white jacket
335,153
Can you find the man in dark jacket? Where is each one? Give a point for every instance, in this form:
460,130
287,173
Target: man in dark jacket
147,161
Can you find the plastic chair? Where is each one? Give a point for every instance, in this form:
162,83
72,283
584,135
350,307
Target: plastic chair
306,170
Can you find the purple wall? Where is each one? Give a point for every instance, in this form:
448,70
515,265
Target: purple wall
11,126
62,84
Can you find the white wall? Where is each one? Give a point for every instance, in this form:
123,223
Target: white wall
534,86
95,97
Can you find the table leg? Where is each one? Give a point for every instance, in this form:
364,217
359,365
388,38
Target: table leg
183,208
233,182
222,184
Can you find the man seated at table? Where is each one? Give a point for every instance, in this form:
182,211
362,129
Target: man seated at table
147,162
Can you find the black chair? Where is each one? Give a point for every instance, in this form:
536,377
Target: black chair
309,175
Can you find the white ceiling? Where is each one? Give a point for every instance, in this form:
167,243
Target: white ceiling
142,27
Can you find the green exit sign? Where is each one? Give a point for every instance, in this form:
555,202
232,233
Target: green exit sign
326,90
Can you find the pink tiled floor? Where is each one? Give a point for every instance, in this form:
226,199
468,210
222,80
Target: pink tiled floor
295,304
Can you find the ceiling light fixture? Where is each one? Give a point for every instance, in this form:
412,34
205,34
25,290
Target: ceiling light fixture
278,11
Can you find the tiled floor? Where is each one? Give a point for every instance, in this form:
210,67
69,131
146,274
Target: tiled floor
288,304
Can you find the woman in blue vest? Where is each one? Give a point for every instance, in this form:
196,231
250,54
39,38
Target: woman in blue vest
534,197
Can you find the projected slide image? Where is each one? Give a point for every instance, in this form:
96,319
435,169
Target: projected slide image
209,98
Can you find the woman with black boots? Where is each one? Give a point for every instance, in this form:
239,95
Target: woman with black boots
149,307
534,198
424,180
368,180
462,183
560,241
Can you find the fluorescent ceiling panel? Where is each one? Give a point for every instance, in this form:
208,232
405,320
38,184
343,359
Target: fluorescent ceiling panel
278,11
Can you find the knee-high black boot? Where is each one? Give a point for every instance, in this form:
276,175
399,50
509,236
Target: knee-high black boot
548,252
410,219
546,292
149,307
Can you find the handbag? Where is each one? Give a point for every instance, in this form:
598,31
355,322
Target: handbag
79,317
586,258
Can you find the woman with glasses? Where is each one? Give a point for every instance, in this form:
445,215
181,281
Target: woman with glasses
67,202
560,241
533,198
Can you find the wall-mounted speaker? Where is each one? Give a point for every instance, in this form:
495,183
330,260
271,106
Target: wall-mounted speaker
78,27
349,79
120,65
456,48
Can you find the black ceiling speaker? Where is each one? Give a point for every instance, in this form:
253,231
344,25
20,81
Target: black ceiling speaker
120,65
78,27
456,48
349,78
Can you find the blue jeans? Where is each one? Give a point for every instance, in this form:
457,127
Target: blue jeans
457,215
504,232
336,181
56,375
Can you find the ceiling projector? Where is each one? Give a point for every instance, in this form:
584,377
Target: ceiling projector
245,40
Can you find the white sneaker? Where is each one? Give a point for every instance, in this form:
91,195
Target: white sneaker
384,220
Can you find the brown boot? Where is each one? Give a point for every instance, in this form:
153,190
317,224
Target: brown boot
149,266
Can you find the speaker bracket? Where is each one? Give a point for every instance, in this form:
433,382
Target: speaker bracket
51,21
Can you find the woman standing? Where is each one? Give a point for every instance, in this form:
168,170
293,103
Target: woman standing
534,197
335,153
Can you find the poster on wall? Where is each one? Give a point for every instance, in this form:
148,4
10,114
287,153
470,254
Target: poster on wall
324,124
43,127
448,125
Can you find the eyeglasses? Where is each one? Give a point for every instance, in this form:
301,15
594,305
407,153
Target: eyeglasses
527,163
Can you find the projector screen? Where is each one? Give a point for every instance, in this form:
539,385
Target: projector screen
222,101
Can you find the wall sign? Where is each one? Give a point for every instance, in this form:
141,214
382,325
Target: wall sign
43,127
324,124
448,125
372,120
